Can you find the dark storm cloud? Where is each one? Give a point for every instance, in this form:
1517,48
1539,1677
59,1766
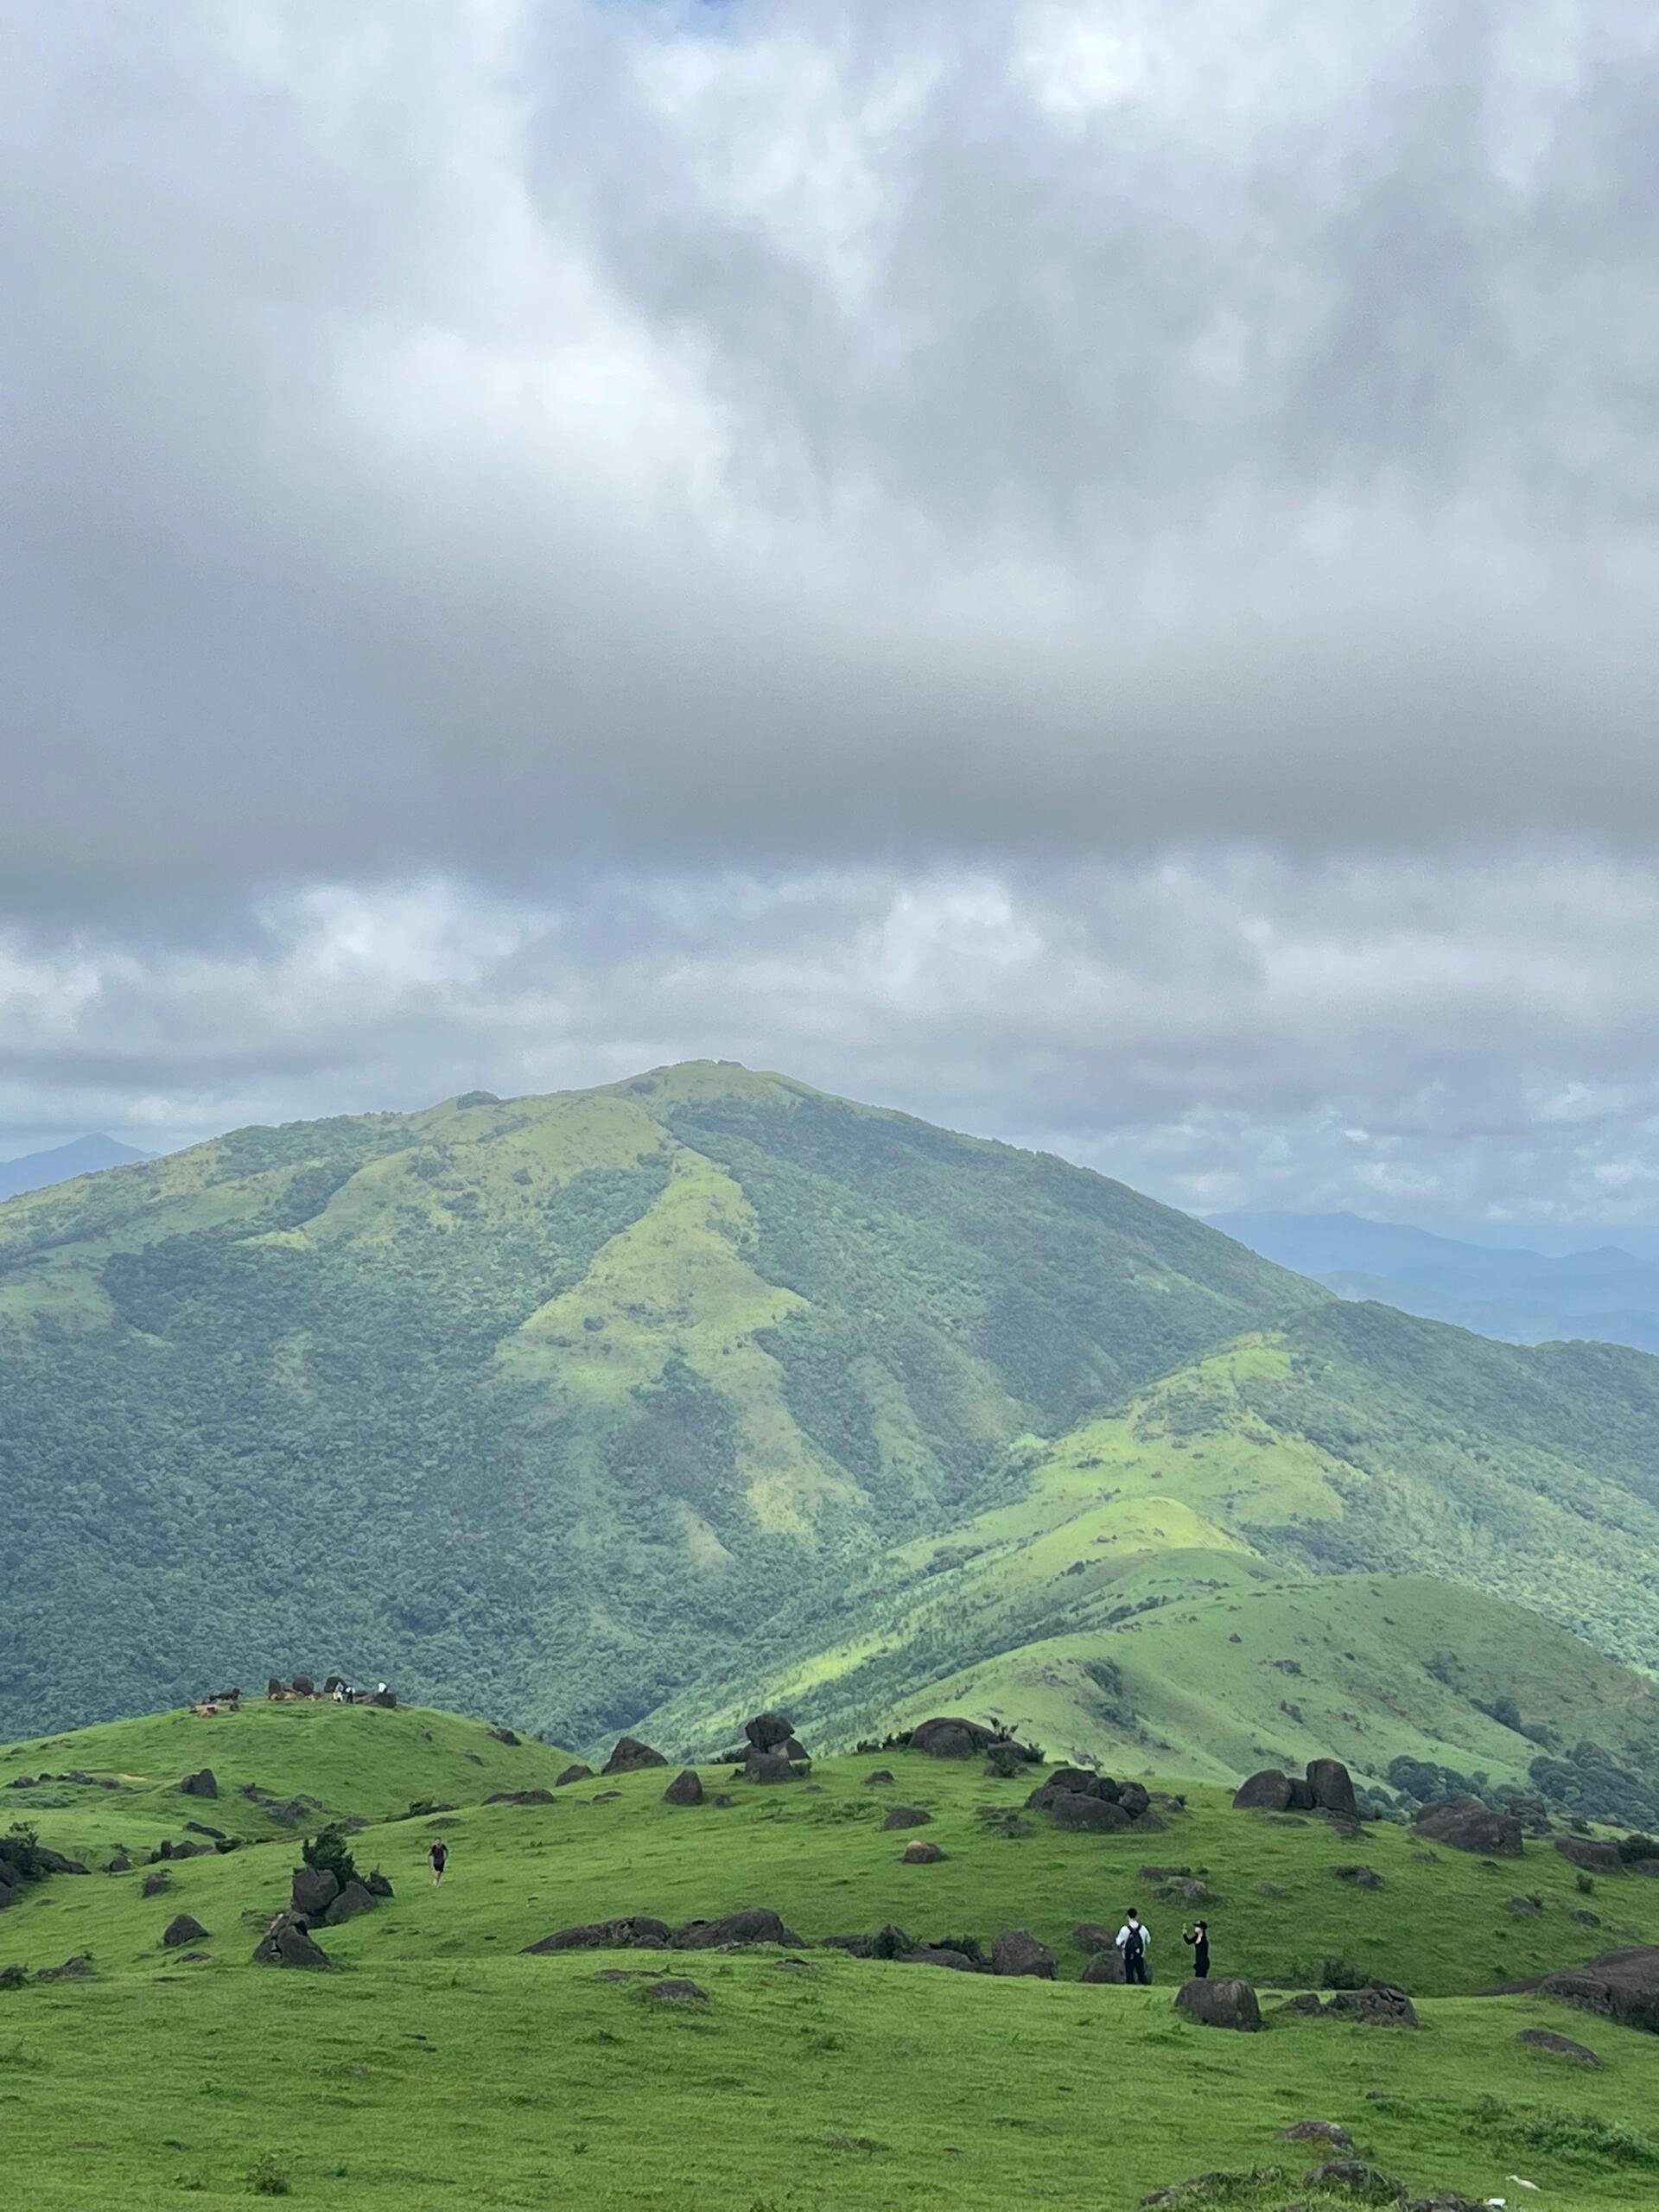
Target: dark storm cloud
496,437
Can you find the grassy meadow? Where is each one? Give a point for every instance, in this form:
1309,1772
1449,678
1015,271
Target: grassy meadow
436,2065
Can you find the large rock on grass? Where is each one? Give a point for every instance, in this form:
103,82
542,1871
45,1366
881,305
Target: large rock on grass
1555,2046
635,1933
953,1739
1268,1791
1622,1985
1332,1787
355,1898
181,1931
630,1755
686,1789
577,1773
1079,1815
769,1732
203,1784
769,1767
1227,2004
1586,1851
907,1816
286,1942
1469,1827
1378,2007
1106,1966
920,1854
315,1890
1016,1951
755,1924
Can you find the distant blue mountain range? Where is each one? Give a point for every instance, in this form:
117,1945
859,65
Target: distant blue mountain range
35,1170
1606,1291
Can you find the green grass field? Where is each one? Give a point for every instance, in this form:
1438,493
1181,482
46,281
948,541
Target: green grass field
437,2067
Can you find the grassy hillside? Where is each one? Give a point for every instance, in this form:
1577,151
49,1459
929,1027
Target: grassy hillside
435,2064
539,1405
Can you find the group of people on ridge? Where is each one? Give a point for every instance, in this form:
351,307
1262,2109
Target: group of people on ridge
1134,1942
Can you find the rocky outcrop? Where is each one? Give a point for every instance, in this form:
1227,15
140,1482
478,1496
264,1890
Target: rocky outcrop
313,1890
353,1899
573,1774
182,1930
1016,1951
920,1854
1622,1985
1327,1787
1106,1966
757,1924
1220,2004
770,1766
630,1755
769,1732
1469,1827
1555,2046
1586,1851
636,1933
287,1942
519,1797
907,1816
686,1789
203,1784
1378,2007
953,1739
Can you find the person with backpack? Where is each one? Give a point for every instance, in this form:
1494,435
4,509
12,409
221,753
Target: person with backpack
1135,1941
1198,1936
438,1856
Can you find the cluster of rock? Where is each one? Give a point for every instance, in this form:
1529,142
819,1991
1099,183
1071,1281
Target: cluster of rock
1327,1787
1075,1798
639,1932
1378,2007
23,1860
318,1898
1622,1985
72,1775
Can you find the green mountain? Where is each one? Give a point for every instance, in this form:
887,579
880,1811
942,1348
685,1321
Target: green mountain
545,1406
651,1404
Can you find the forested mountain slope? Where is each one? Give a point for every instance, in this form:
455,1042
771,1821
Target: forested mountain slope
541,1405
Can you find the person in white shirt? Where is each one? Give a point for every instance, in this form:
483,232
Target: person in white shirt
1135,1941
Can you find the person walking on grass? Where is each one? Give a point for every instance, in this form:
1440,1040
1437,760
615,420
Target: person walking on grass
1198,1936
1135,1941
439,1855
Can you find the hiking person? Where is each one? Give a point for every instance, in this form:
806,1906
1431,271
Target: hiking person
439,1854
1135,1941
1198,1936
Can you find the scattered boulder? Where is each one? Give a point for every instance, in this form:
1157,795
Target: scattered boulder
1226,2004
879,1779
286,1942
204,1784
920,1854
795,1751
636,1933
906,1816
504,1736
1266,1792
1469,1827
315,1890
1622,1985
1106,1966
686,1789
769,1767
1359,2179
756,1924
183,1930
677,1990
1332,1787
1379,2007
386,1700
1003,1763
1584,1851
1359,1878
80,1968
153,1885
1270,1889
1017,1952
1555,2046
1184,1889
353,1899
1136,1802
888,1942
573,1774
13,1976
769,1732
519,1797
376,1884
630,1755
1319,2130
937,1954
1089,1936
953,1739
1079,1815
1525,1908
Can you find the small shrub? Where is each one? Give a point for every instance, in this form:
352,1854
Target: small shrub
1584,1885
266,2178
329,1852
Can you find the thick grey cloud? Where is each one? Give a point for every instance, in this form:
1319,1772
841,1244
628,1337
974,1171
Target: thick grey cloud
489,436
1085,570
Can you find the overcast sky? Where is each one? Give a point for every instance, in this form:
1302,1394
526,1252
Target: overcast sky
1087,570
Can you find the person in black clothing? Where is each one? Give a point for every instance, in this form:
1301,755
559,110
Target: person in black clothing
1134,1942
439,1855
1198,1936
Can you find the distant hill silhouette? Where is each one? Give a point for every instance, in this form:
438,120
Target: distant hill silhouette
38,1171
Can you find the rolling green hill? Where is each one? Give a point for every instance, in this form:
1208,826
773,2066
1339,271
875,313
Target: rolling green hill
435,2064
653,1403
540,1406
